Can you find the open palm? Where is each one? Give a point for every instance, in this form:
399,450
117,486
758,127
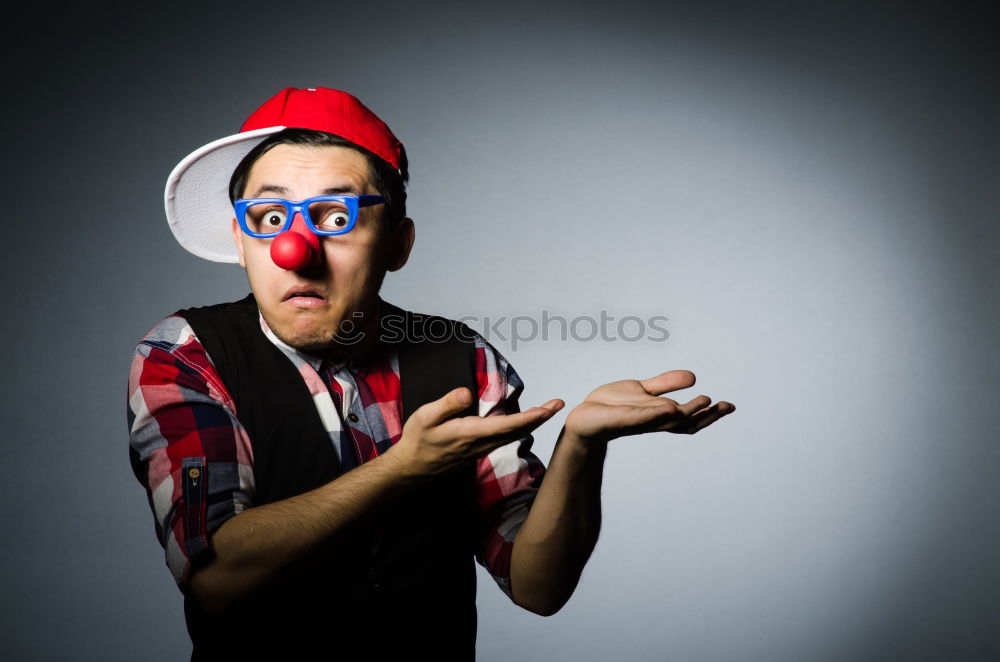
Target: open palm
633,406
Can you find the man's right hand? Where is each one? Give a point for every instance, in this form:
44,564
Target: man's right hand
434,442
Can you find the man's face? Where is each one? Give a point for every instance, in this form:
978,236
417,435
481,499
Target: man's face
305,307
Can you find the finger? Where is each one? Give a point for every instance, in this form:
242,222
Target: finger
501,425
672,380
553,405
695,405
438,411
704,418
550,407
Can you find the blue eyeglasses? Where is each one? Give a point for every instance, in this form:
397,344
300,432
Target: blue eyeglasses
326,215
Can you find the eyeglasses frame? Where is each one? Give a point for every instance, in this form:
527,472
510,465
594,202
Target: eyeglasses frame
351,202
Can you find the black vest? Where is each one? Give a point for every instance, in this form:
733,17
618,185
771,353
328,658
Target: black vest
399,585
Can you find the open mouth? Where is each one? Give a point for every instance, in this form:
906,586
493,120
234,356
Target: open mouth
303,294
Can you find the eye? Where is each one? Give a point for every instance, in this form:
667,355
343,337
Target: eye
273,219
337,219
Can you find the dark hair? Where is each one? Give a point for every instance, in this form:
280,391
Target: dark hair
389,182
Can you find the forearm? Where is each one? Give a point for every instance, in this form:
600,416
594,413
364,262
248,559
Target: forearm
561,529
252,547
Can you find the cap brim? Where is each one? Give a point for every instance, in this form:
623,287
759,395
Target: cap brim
197,195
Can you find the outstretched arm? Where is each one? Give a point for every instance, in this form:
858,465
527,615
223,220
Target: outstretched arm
560,532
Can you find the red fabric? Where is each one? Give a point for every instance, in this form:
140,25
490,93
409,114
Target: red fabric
333,111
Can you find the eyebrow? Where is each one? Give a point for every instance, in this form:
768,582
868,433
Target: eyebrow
281,190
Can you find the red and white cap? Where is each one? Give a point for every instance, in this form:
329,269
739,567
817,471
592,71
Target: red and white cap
197,193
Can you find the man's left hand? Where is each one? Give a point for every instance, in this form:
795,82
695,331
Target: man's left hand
633,406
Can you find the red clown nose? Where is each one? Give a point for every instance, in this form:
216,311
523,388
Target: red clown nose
297,248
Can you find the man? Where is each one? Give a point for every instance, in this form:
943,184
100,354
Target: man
368,459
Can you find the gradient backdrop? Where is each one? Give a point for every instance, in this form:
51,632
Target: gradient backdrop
808,194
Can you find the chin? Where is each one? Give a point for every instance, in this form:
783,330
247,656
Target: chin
306,339
309,343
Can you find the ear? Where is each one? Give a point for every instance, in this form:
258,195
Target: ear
238,240
400,243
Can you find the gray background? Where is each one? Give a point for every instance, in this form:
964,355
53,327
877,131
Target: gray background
807,193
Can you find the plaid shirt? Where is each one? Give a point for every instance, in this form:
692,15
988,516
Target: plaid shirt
179,408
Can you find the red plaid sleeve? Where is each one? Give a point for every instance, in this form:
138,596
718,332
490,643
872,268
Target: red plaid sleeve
186,446
509,477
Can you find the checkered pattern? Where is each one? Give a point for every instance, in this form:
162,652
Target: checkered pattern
181,417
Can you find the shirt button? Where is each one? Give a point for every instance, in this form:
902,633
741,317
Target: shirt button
352,417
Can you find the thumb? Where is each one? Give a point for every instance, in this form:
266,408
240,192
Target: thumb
436,412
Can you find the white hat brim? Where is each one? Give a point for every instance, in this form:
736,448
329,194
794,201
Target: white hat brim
197,195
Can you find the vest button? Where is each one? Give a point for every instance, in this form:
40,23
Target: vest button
352,417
